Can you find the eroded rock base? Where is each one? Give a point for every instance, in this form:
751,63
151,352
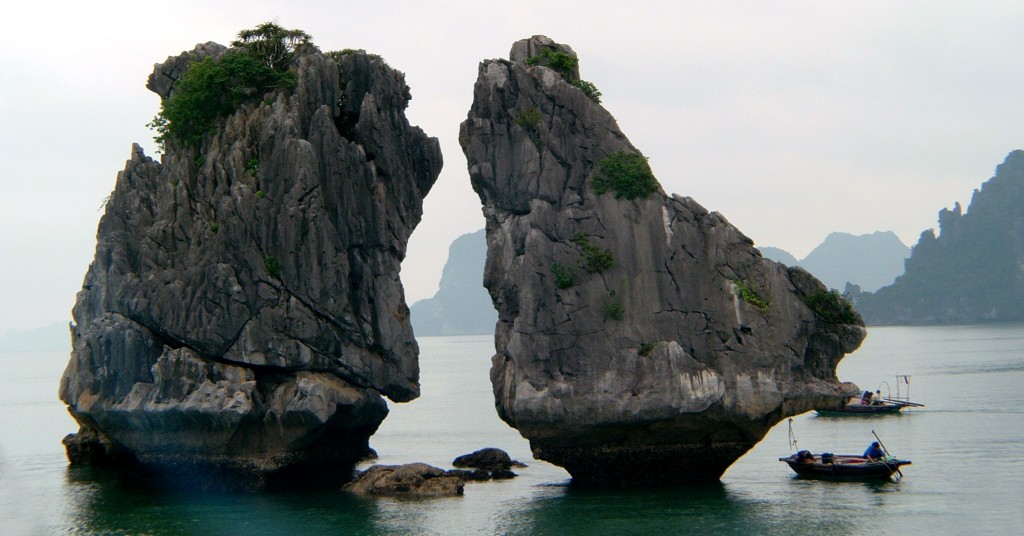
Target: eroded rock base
647,465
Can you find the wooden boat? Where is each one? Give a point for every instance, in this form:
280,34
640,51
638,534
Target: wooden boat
855,406
874,403
842,466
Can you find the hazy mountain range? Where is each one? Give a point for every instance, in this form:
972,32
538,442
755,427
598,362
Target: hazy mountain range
869,261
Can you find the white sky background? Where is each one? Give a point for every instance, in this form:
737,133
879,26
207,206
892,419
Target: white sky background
793,119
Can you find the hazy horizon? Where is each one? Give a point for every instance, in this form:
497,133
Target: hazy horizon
793,120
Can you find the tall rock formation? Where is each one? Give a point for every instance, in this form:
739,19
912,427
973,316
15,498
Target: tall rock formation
461,305
973,271
641,338
243,315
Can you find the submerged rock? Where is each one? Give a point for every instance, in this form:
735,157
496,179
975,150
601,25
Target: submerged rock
243,315
641,338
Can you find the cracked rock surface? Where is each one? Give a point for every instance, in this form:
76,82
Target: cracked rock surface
652,370
243,316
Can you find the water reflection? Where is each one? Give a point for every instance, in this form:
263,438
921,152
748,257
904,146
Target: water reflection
103,502
710,509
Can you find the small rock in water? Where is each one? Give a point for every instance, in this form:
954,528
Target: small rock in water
487,458
414,479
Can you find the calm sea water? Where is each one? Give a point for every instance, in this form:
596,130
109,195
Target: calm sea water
967,447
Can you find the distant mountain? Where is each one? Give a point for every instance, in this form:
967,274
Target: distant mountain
869,261
55,336
778,255
462,305
973,271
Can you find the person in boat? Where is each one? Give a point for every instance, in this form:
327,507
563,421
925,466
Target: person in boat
876,399
804,456
865,399
874,452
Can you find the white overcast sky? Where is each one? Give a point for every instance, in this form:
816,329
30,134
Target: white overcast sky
793,119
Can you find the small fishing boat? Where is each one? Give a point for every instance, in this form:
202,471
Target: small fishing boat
854,406
843,466
874,403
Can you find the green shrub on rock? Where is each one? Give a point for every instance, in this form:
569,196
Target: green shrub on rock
529,118
833,307
750,296
565,64
595,259
613,309
565,276
627,174
273,266
213,88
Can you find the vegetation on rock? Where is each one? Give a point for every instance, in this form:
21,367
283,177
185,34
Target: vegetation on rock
273,266
595,259
832,307
271,44
565,64
528,118
565,276
627,174
750,296
213,88
613,309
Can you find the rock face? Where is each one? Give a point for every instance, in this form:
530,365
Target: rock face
461,305
973,271
665,366
243,315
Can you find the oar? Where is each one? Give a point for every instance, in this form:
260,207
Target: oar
886,453
904,402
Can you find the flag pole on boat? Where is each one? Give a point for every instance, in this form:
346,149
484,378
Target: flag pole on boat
886,453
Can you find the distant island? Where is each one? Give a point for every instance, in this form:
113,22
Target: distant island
869,261
51,337
972,271
461,305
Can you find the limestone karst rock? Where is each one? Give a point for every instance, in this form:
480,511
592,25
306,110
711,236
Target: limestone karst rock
972,270
640,340
243,315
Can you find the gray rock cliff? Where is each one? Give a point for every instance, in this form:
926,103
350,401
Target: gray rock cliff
243,316
664,366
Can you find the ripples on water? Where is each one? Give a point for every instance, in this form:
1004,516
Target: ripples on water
967,447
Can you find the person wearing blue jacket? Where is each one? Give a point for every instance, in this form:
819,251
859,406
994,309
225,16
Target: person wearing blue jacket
874,452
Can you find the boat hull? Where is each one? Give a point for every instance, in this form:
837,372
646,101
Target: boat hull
845,467
863,409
